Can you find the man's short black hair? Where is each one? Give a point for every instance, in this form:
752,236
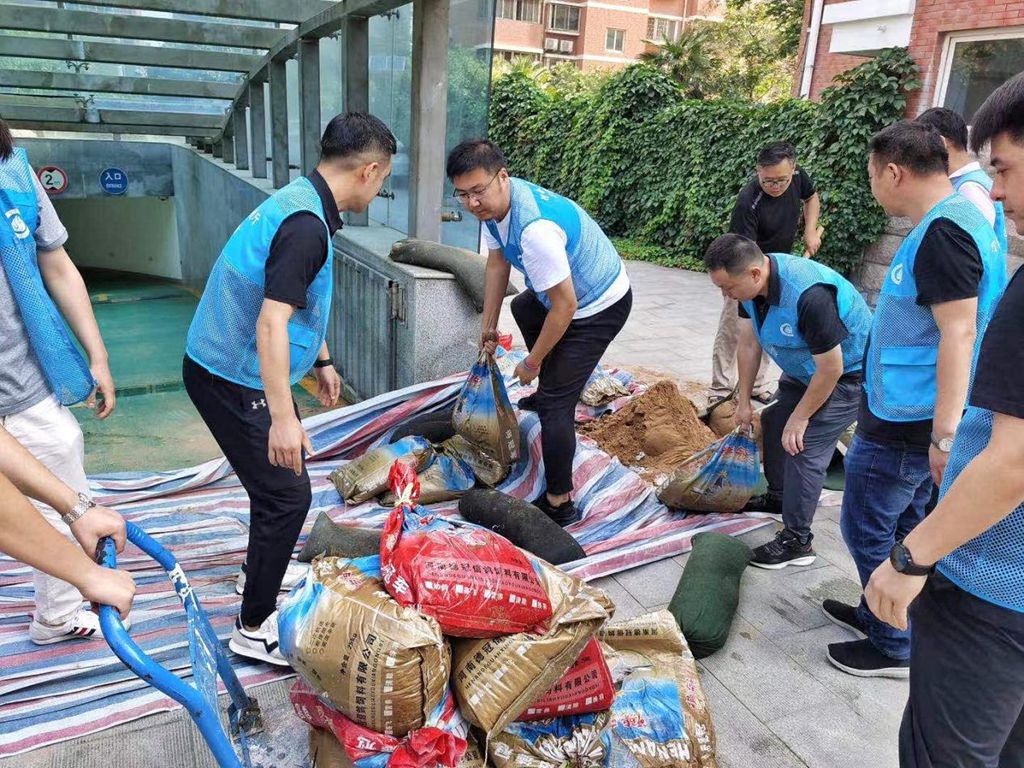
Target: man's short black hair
948,123
353,134
733,253
6,141
473,154
775,153
1002,112
911,145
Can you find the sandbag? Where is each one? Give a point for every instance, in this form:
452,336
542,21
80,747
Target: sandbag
587,687
473,581
521,523
483,413
722,421
367,476
435,426
721,478
329,538
487,470
380,664
708,592
467,267
495,680
445,478
440,743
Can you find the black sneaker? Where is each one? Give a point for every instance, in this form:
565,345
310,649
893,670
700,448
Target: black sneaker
766,502
844,615
528,403
861,658
565,514
785,549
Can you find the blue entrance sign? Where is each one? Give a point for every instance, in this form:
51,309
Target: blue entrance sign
114,181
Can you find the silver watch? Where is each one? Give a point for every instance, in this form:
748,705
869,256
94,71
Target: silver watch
84,505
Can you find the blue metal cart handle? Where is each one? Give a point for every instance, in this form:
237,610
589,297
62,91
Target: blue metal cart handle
243,713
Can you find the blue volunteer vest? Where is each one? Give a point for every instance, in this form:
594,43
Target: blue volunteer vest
904,347
222,337
593,261
63,364
980,177
779,334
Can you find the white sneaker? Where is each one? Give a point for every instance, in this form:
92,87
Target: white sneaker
295,573
82,626
261,644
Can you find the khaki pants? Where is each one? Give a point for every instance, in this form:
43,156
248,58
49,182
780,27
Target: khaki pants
723,361
50,432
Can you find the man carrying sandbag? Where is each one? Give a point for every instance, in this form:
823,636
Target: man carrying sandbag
259,329
936,301
813,323
577,301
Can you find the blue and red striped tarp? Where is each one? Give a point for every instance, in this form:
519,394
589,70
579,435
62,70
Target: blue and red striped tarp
60,692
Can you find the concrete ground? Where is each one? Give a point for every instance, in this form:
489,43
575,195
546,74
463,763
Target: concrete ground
774,698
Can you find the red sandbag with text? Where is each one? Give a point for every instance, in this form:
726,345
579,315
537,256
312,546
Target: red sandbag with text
586,687
474,582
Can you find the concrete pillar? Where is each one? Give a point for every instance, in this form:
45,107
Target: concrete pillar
258,121
218,148
228,142
279,123
355,66
309,104
241,138
429,117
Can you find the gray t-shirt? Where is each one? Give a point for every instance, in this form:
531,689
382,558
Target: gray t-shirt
22,383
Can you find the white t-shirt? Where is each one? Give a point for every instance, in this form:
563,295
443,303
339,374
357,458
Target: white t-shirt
976,193
546,261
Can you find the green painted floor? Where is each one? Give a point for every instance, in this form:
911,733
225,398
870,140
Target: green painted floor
154,427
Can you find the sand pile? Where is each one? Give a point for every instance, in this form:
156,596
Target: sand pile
655,433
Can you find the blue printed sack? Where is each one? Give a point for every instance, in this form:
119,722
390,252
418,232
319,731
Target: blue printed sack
721,478
483,413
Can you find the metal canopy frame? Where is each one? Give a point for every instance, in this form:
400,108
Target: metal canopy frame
256,51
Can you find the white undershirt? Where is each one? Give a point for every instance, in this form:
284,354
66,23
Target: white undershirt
546,262
976,193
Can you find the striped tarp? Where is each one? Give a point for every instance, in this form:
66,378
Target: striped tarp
59,692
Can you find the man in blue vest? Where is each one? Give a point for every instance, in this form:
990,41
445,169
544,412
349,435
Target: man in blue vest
961,571
42,370
936,301
813,323
260,327
577,299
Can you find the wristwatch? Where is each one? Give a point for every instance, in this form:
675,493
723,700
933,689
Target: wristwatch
84,505
903,562
945,444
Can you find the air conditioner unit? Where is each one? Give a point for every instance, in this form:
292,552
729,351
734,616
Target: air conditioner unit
550,43
565,46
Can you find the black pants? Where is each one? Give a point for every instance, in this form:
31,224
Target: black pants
798,479
966,682
279,499
563,375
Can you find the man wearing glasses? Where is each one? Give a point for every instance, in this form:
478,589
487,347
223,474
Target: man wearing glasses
577,299
768,212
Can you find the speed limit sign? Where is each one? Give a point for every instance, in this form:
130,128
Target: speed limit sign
53,179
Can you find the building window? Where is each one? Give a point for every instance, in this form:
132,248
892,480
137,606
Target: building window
974,65
519,10
512,56
615,40
564,18
660,30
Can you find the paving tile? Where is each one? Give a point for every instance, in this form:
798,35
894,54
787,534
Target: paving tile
834,735
652,584
626,606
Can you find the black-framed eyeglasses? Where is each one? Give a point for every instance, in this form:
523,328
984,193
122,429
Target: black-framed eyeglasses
462,196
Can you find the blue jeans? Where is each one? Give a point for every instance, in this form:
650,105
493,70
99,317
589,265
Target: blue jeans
887,488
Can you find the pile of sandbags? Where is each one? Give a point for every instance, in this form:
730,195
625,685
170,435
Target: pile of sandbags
450,624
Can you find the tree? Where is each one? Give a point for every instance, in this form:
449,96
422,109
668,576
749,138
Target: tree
689,60
788,16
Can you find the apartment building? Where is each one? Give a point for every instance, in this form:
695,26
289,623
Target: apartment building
592,35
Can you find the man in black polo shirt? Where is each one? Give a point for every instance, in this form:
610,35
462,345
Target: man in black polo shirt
768,212
961,571
260,327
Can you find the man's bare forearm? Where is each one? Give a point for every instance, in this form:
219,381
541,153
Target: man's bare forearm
274,350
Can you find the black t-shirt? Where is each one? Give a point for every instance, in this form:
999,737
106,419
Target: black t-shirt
947,268
769,221
817,311
299,249
998,385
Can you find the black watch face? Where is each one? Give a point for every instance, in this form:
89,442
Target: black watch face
900,558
